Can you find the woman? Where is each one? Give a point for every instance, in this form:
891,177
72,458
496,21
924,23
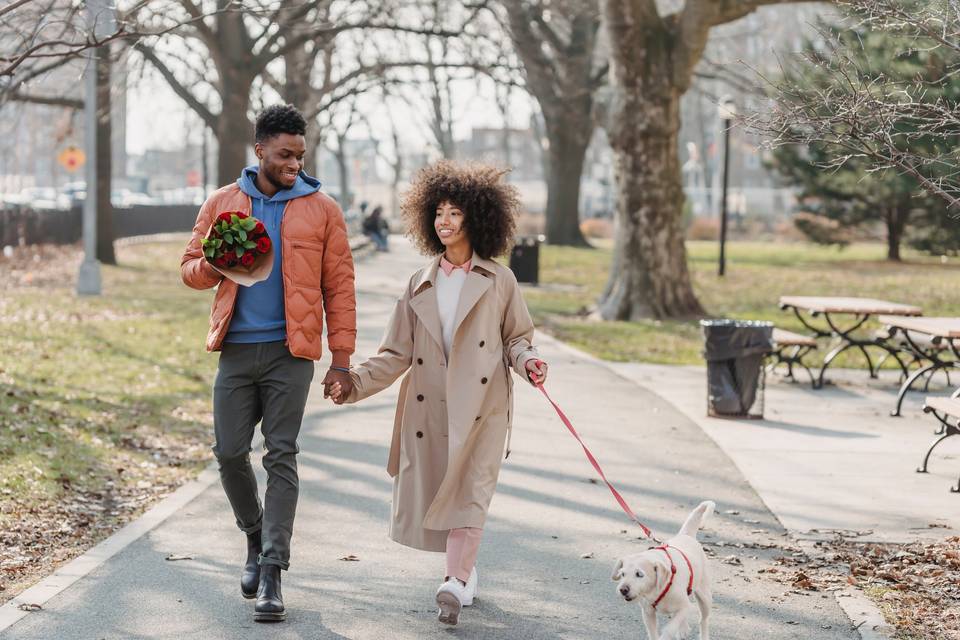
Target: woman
457,330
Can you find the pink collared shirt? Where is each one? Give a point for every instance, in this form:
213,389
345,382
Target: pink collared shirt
448,266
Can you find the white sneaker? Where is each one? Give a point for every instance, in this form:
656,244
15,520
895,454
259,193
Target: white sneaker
470,591
450,599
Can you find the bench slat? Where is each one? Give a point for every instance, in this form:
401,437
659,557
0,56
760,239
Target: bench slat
784,338
944,404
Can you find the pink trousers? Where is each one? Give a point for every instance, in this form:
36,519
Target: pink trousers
462,548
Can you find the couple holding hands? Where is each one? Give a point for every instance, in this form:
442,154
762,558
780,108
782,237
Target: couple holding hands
457,331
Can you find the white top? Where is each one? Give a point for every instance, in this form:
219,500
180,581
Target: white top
448,298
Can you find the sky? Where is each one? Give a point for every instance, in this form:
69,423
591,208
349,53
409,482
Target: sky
157,118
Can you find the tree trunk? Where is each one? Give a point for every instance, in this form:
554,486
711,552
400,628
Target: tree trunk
346,198
104,159
234,130
311,163
650,279
567,154
896,219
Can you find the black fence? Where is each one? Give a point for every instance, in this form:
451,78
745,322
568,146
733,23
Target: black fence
53,226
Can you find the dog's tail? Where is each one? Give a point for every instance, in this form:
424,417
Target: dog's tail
696,518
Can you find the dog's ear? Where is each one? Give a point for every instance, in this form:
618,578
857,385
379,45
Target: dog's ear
617,571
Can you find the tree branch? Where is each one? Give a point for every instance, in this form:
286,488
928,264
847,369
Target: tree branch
57,101
201,109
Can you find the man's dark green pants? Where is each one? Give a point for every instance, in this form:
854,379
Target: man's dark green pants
263,383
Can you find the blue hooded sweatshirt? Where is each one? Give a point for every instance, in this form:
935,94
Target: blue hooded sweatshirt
259,315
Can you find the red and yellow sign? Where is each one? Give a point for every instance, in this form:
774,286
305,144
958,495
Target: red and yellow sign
72,158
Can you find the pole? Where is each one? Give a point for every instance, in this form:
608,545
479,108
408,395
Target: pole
88,278
723,198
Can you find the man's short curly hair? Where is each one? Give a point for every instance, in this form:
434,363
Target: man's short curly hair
277,119
490,206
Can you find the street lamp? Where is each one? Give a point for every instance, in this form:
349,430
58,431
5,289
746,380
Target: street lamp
101,25
727,110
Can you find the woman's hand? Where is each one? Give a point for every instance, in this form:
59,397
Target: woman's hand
335,393
536,371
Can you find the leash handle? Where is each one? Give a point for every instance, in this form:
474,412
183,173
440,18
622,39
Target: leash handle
596,465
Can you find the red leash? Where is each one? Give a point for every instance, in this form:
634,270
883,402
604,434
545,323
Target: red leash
596,465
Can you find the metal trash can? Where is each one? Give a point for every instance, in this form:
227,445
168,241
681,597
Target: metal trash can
735,351
525,259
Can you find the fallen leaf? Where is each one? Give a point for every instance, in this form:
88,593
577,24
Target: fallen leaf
350,558
173,557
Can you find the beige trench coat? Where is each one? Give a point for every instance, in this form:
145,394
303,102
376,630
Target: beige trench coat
452,418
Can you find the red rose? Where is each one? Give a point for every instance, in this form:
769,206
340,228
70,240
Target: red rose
221,262
259,230
247,259
231,259
224,217
263,244
241,214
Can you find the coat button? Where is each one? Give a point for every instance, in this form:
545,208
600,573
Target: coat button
483,381
420,397
419,360
482,342
419,434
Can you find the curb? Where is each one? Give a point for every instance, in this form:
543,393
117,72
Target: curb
865,617
97,555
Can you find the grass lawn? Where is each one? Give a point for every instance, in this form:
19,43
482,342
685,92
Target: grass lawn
104,401
757,275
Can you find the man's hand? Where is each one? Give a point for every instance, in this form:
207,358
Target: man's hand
337,385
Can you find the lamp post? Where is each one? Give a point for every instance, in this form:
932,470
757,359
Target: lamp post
101,20
727,110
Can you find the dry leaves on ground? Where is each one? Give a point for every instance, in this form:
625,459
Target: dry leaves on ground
917,585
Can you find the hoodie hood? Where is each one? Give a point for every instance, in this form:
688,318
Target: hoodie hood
304,186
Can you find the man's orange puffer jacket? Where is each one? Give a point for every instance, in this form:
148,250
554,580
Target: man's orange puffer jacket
317,274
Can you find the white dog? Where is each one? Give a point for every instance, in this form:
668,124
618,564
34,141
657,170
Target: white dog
664,578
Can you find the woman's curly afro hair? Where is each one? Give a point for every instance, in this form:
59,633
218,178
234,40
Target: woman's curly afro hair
489,206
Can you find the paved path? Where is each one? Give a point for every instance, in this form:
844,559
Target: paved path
548,512
831,459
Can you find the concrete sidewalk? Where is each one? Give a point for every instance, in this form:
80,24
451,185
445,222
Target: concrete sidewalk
548,513
831,459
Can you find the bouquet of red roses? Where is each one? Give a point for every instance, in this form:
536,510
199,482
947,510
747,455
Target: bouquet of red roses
237,245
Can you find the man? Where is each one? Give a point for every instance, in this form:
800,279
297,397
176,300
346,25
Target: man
269,334
376,228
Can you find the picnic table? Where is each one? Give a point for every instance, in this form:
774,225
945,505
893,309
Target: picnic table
842,317
933,342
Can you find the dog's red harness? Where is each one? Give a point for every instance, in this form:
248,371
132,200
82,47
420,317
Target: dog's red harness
673,572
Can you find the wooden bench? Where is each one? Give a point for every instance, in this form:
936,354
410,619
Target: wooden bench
789,349
946,409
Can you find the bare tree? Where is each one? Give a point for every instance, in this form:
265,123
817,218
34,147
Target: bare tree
242,40
908,125
38,35
443,65
557,42
652,60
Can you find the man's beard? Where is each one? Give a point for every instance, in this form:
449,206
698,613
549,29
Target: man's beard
276,182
